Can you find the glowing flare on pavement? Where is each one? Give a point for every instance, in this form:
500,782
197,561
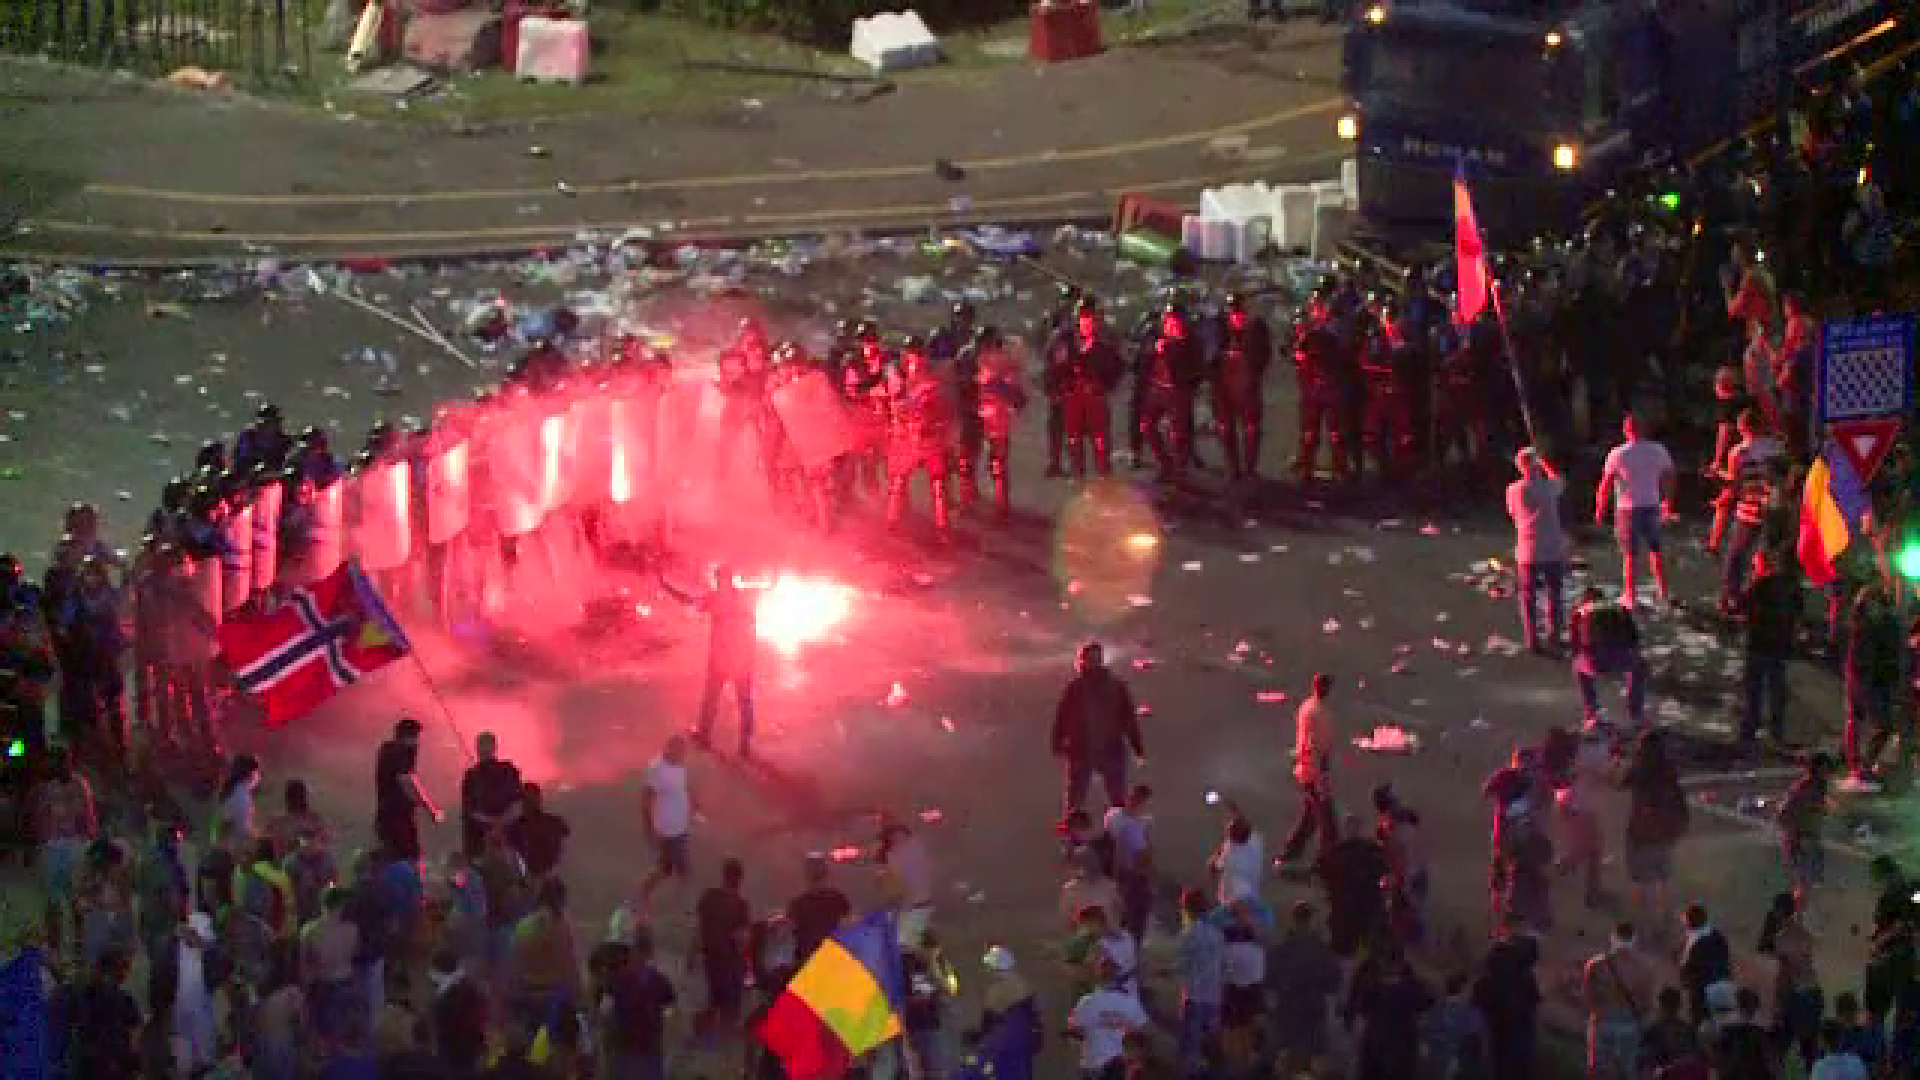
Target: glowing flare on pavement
801,611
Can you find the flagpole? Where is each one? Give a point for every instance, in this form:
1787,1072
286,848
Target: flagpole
1513,363
446,711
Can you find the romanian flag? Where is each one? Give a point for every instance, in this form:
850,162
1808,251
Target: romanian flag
1469,251
322,639
844,1001
1833,505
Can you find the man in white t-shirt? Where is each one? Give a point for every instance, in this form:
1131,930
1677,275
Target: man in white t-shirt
1540,546
1639,472
1101,1021
666,809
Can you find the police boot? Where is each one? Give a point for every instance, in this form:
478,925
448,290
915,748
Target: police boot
1230,442
969,485
1077,456
1251,458
1002,492
896,500
1307,458
1056,438
1102,454
942,518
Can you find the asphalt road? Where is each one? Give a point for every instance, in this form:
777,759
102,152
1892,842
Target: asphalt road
1218,629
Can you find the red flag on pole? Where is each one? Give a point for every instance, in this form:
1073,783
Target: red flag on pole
1470,251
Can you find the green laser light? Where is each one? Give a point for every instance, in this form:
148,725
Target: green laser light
17,748
1908,562
1670,200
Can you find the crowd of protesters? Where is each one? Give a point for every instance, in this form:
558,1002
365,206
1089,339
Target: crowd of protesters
270,950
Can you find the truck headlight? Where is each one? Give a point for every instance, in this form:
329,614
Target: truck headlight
1566,157
1377,14
1348,128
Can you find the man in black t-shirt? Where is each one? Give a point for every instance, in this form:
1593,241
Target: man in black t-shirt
538,837
1773,611
489,791
724,917
816,913
397,792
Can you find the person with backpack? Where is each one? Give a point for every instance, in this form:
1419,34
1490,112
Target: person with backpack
1606,644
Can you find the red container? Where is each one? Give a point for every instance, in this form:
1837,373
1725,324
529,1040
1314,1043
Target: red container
1063,32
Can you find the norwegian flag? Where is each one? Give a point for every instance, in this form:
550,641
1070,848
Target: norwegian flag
1470,251
324,638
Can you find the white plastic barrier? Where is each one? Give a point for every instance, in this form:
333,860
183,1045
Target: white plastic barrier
552,50
1332,218
1237,202
894,41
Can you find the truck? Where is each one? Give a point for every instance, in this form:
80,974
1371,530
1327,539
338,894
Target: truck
1546,104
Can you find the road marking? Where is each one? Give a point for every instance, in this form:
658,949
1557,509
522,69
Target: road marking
983,211
764,179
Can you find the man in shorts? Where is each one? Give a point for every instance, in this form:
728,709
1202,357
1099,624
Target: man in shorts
1640,472
666,809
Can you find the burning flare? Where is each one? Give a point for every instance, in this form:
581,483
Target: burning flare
801,611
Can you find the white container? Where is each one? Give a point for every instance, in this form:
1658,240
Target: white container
894,41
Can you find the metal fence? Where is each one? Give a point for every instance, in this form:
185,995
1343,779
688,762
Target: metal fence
255,41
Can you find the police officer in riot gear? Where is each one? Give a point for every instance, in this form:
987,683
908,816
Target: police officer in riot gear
1164,374
921,436
265,442
947,343
1056,328
1316,359
963,375
863,385
1243,351
317,462
812,488
1086,368
999,398
743,389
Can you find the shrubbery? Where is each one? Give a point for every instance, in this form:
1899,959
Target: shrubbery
825,23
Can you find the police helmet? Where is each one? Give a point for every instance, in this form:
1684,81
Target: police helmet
1235,301
1089,305
866,330
173,493
963,312
987,337
913,343
751,330
81,515
212,455
789,354
845,329
204,500
12,572
563,321
313,436
519,367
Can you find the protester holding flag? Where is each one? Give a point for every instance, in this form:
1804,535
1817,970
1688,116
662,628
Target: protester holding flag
398,795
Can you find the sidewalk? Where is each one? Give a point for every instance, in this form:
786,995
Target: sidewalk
163,173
